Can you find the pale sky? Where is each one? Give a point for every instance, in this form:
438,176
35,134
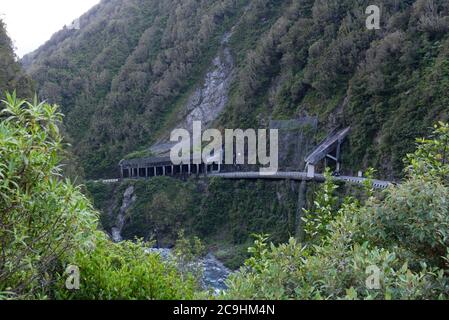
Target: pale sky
30,23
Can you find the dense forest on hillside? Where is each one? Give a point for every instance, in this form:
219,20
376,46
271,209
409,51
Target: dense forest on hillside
130,66
120,75
12,76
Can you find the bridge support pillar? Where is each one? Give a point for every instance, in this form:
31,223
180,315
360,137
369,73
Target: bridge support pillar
338,156
310,171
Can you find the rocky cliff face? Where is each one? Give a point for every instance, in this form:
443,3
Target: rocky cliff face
207,101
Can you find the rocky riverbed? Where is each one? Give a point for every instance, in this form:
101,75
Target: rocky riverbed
214,272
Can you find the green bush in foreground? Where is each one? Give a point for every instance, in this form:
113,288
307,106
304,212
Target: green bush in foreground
403,235
125,271
47,224
42,217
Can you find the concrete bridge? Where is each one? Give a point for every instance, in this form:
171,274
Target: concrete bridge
328,150
300,176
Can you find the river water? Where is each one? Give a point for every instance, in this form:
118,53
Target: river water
214,272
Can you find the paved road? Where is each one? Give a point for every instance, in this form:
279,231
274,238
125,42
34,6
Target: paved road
293,175
377,184
326,146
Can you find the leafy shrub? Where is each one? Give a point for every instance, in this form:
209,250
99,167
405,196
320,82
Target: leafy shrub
415,216
317,219
187,254
125,271
402,234
42,217
47,224
430,161
334,270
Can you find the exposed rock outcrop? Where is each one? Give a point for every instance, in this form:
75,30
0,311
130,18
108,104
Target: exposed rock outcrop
128,199
206,102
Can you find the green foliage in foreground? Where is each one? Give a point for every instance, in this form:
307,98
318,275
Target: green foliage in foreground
404,235
126,271
42,218
47,224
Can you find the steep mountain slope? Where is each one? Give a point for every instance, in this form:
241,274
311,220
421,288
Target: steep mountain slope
129,74
11,75
121,74
319,59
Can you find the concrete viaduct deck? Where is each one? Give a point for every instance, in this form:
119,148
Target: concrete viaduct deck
329,148
300,176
